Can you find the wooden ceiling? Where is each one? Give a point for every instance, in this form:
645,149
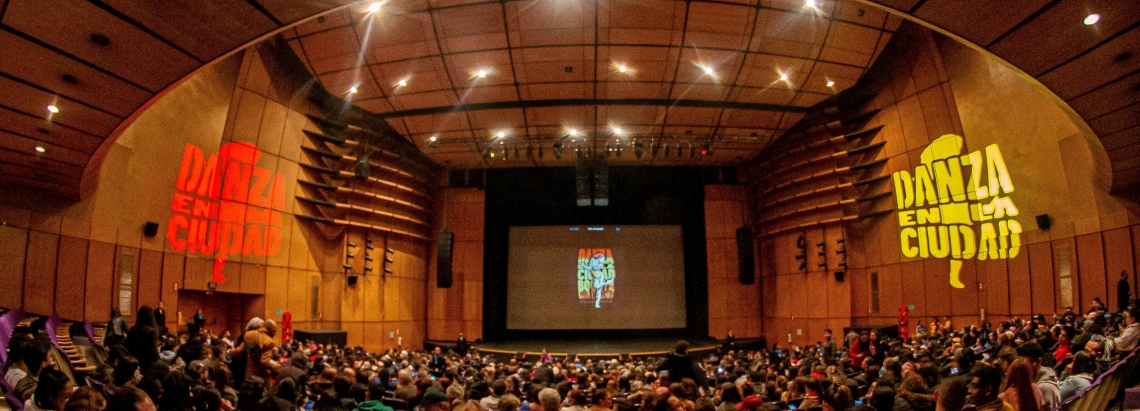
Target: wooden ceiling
552,65
697,73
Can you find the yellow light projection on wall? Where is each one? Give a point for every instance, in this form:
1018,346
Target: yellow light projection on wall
947,195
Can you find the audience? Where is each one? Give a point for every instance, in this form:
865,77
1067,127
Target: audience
1007,366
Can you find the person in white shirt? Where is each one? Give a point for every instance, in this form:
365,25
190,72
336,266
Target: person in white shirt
1131,335
17,370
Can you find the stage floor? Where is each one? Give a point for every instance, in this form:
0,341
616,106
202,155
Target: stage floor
592,347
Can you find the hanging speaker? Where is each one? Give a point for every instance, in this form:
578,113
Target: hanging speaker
362,168
1043,222
150,229
746,256
444,244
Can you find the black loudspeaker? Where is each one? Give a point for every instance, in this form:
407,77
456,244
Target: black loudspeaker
443,258
150,229
352,279
839,276
362,168
745,253
1043,222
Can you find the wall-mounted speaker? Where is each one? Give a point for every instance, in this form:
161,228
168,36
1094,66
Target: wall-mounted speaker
352,279
839,276
444,244
150,229
1043,222
745,253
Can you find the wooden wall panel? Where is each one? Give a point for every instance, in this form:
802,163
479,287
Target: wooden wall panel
1043,280
1117,258
963,301
914,288
173,267
936,274
276,295
100,282
39,276
995,296
12,256
71,278
1021,284
198,271
252,279
1090,257
149,278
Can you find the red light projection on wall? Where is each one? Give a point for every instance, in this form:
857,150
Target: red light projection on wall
224,205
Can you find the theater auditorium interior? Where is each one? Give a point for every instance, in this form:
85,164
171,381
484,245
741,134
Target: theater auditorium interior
826,200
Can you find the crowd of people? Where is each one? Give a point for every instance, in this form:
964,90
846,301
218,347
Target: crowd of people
1018,364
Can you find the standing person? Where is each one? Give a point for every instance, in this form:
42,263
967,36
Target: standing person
142,338
828,344
258,349
160,319
116,331
461,345
199,320
680,366
1123,292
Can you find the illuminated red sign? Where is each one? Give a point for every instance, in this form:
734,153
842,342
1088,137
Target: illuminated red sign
224,205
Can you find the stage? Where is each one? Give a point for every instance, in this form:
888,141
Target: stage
593,348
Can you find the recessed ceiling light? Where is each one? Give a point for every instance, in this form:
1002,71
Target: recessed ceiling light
830,83
783,77
617,131
353,90
501,134
40,149
572,132
374,7
52,108
622,68
1092,19
433,138
810,3
481,74
402,83
709,70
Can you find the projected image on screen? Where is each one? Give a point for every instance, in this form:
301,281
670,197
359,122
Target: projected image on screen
595,277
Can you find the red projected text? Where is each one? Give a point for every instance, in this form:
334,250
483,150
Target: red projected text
224,205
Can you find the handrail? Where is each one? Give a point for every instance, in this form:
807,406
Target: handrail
1105,388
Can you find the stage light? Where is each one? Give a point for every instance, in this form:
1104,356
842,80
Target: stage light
801,243
402,83
53,109
374,7
1092,19
573,132
501,134
347,266
481,74
783,77
40,149
830,83
351,255
810,4
617,131
367,258
709,70
353,90
367,268
388,253
351,244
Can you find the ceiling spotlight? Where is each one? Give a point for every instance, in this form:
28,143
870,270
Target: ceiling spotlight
402,83
617,131
709,70
830,83
481,74
374,7
353,90
433,138
52,108
501,134
1092,19
622,68
810,3
572,132
783,77
40,149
